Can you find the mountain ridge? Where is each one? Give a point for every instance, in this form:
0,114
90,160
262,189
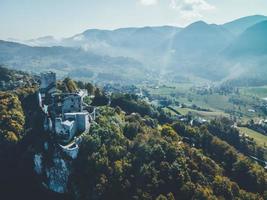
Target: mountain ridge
200,50
251,41
239,25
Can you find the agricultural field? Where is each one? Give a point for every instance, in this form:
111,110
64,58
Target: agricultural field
245,105
169,90
204,114
259,138
260,92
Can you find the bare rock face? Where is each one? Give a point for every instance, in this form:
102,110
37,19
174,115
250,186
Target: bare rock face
53,168
58,174
38,163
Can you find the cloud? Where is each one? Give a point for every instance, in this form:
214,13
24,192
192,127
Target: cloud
148,2
191,8
187,9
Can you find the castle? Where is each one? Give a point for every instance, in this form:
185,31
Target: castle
65,122
65,116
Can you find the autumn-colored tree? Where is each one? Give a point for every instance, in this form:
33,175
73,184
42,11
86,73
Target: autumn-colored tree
12,118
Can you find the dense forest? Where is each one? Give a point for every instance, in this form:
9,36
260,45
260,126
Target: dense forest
134,151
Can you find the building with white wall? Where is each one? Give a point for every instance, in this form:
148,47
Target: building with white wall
81,119
73,102
65,129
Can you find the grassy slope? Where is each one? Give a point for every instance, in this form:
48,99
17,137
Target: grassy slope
208,115
260,92
219,104
259,138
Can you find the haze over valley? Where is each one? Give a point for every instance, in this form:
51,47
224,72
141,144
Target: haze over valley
234,51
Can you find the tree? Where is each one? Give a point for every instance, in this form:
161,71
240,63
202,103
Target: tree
70,85
12,119
223,187
90,89
100,98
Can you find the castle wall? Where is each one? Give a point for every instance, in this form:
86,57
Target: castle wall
65,130
72,103
81,118
47,79
83,121
71,151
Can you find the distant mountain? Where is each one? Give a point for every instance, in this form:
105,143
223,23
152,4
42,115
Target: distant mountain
66,61
248,55
240,25
200,50
43,41
93,39
124,37
253,42
201,38
139,43
196,48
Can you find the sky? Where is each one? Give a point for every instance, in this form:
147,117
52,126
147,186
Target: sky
26,19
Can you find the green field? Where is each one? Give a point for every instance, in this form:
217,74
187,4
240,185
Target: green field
221,105
207,115
260,92
166,91
259,138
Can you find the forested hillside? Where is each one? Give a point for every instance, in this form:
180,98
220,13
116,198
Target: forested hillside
138,158
134,151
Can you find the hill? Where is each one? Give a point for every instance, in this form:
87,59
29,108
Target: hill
66,61
134,151
238,26
252,42
201,38
197,48
144,44
248,53
200,51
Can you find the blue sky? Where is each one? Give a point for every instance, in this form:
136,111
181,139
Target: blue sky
25,19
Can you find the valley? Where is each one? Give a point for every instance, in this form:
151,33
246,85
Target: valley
241,104
109,108
133,127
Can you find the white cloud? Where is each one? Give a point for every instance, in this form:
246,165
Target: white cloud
187,9
190,9
148,2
